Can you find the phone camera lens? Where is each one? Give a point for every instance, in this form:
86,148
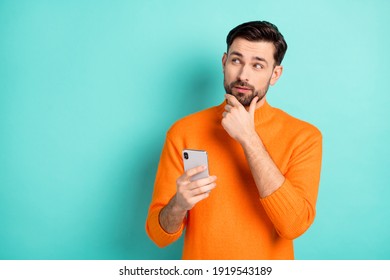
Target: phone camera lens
186,155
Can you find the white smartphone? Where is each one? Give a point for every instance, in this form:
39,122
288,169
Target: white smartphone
194,158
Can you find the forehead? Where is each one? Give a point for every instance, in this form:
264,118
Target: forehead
250,49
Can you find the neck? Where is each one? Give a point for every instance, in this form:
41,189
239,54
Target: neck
260,103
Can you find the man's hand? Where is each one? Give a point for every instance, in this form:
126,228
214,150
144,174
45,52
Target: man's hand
187,195
190,192
237,121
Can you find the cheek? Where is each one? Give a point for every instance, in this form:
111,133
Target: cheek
261,81
230,74
265,80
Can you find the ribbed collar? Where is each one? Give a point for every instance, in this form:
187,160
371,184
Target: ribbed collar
262,114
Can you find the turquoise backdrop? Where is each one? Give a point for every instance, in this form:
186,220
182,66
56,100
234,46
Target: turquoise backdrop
88,90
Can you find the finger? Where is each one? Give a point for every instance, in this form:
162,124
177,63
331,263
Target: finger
232,100
203,190
202,182
228,108
190,194
193,171
184,179
198,198
252,106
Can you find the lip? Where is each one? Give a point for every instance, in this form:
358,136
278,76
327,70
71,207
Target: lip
242,89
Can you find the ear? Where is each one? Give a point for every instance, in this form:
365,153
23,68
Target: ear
276,73
224,59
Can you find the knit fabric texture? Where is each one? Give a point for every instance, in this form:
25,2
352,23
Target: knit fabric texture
234,222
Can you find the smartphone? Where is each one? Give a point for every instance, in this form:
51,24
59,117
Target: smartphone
194,158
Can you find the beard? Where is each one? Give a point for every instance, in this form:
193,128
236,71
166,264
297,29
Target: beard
245,99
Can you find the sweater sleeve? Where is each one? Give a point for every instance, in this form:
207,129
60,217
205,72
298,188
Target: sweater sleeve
169,169
291,208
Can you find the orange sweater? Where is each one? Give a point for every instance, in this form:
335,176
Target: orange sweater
234,222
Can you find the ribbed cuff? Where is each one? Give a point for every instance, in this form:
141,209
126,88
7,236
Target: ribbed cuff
282,202
286,210
158,234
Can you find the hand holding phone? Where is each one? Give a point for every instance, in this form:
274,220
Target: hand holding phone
193,186
190,192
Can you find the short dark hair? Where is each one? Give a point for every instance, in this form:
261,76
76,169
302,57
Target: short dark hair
260,31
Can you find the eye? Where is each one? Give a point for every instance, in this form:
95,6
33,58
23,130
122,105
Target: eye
258,66
235,60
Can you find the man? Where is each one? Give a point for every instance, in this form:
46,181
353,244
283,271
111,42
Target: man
266,161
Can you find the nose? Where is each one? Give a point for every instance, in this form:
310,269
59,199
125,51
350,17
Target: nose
243,74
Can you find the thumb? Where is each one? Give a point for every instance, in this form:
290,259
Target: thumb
252,106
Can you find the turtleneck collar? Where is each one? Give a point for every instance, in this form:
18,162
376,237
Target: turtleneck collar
263,114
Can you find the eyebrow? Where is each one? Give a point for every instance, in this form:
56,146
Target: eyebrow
255,57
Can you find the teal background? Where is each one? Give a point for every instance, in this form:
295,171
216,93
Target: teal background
89,88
